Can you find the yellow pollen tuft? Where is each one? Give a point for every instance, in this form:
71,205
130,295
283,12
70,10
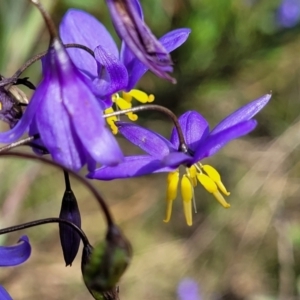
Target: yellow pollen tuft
172,184
187,196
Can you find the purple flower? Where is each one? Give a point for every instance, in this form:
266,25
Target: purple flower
288,14
127,17
165,155
12,256
188,290
110,71
67,116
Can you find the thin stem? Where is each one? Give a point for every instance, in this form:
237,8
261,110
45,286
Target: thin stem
51,27
19,143
47,221
79,46
182,145
67,181
28,64
102,203
12,80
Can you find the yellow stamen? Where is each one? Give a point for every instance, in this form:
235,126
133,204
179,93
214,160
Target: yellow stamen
0,106
212,188
192,172
138,95
123,104
187,196
215,176
172,184
111,120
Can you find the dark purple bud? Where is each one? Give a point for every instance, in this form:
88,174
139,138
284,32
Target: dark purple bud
10,100
69,238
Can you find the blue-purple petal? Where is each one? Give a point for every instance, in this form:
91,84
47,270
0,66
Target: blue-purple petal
88,123
132,166
136,69
175,38
4,295
195,128
80,27
188,290
15,255
53,124
126,55
139,38
244,113
150,141
215,142
112,74
175,159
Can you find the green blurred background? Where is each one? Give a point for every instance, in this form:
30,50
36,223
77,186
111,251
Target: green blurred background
236,52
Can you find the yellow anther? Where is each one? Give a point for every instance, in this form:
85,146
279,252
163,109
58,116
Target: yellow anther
0,106
187,196
221,199
123,104
172,184
215,176
127,97
212,188
138,95
111,120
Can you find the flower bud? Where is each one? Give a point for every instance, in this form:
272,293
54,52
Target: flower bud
69,238
103,266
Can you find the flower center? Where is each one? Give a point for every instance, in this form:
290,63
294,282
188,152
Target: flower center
211,181
123,101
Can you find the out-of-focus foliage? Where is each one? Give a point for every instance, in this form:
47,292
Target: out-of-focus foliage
237,51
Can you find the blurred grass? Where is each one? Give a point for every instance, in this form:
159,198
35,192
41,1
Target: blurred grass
236,53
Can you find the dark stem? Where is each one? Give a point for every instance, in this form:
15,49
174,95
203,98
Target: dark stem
102,203
49,22
13,80
79,46
182,145
38,147
67,181
47,221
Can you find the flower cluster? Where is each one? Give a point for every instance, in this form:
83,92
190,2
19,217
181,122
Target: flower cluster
87,83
